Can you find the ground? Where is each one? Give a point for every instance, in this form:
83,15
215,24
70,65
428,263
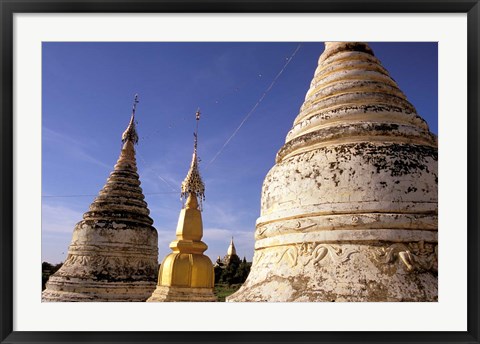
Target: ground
223,290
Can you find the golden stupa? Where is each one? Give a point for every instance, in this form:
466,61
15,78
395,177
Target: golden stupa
187,274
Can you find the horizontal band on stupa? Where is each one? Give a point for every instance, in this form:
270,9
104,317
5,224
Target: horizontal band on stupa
356,132
346,236
355,115
358,221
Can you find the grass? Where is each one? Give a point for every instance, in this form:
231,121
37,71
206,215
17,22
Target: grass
223,290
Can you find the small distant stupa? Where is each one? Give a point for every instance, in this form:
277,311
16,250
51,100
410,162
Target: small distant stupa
229,257
113,255
349,210
187,274
231,251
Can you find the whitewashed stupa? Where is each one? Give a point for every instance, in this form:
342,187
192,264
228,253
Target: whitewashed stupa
113,255
349,211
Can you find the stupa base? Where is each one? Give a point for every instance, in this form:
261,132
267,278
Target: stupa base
59,289
182,294
319,272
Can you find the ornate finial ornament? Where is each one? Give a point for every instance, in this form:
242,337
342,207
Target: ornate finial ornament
130,134
193,184
195,134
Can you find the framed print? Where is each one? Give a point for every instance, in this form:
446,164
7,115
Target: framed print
334,208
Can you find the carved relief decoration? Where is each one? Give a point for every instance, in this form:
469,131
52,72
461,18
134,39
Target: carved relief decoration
290,226
416,256
316,253
105,263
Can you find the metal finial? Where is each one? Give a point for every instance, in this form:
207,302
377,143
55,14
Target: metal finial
193,184
195,134
135,102
130,134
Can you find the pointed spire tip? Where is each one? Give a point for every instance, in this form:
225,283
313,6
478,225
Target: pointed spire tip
130,134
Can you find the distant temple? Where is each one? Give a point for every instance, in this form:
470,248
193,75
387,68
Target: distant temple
187,274
229,257
113,255
349,210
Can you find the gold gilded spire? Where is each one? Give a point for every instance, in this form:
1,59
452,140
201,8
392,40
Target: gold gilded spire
193,184
231,249
187,274
130,134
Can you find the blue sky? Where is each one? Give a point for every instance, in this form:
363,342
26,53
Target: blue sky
87,95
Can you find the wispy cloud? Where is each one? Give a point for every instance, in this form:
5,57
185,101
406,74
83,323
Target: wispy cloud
59,218
221,215
215,234
218,240
55,246
157,177
56,137
74,149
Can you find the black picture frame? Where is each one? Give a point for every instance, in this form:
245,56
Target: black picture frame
10,7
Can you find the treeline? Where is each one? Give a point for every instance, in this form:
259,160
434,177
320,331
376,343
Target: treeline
47,270
235,272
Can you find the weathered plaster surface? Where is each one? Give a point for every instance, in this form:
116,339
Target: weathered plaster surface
314,271
349,210
113,255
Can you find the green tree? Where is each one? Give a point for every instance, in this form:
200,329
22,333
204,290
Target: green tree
48,270
218,273
228,274
242,271
47,266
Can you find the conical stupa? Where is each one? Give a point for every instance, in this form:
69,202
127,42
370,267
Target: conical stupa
349,211
231,249
231,256
186,274
113,255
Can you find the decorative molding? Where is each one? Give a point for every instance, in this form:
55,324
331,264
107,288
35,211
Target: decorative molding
123,265
416,256
319,222
289,226
316,253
